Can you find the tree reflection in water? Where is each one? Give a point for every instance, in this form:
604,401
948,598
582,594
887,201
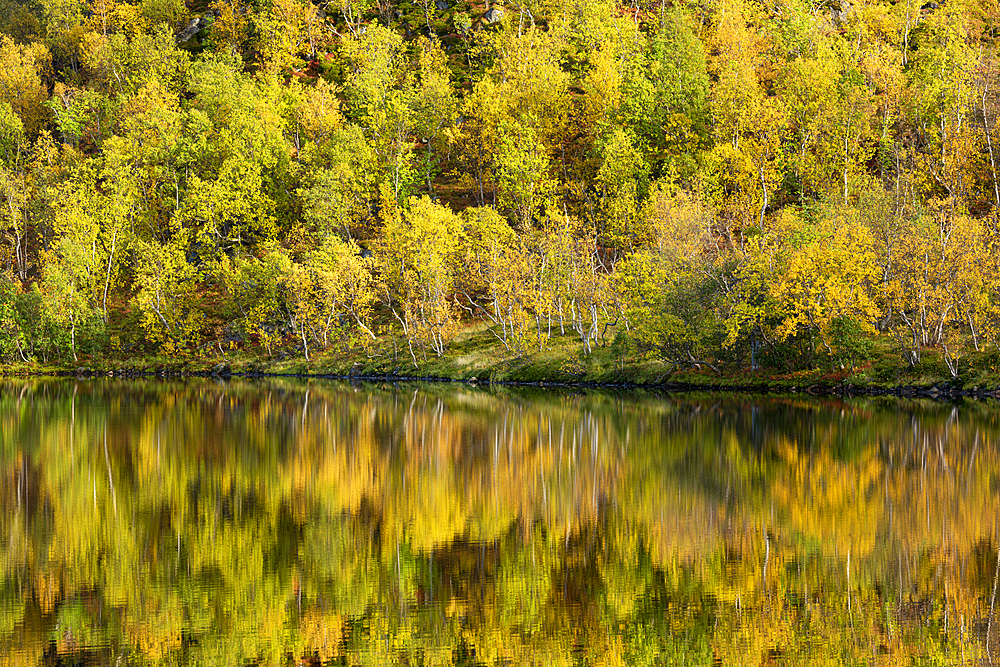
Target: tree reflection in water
278,523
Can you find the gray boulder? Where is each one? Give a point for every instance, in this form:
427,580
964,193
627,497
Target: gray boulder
493,15
840,16
190,30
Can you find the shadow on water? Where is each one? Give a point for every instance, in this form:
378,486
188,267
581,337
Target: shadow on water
324,523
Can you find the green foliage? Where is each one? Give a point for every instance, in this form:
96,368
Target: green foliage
665,95
166,295
19,21
12,140
621,185
727,183
11,336
255,290
522,174
81,114
42,337
122,64
169,12
339,198
665,305
330,294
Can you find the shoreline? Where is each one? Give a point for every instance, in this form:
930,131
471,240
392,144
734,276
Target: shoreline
771,385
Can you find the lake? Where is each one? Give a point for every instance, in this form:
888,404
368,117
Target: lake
324,523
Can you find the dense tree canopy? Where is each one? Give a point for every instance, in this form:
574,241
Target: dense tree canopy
721,182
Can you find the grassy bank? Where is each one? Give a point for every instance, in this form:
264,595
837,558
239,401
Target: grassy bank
475,356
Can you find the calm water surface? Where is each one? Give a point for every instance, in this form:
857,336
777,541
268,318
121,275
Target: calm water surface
285,523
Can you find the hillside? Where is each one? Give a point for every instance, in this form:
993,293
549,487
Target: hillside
789,189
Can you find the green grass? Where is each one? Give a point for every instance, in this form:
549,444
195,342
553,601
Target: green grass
475,354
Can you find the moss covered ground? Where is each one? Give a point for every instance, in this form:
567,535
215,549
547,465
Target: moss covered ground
476,356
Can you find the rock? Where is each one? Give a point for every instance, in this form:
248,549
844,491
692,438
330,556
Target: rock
839,16
493,15
188,33
441,5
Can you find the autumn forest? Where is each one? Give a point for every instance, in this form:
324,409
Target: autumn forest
722,185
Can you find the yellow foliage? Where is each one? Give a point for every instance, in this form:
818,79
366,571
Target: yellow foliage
21,70
828,280
167,295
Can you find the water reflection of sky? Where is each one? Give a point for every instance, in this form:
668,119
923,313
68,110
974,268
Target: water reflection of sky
322,523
